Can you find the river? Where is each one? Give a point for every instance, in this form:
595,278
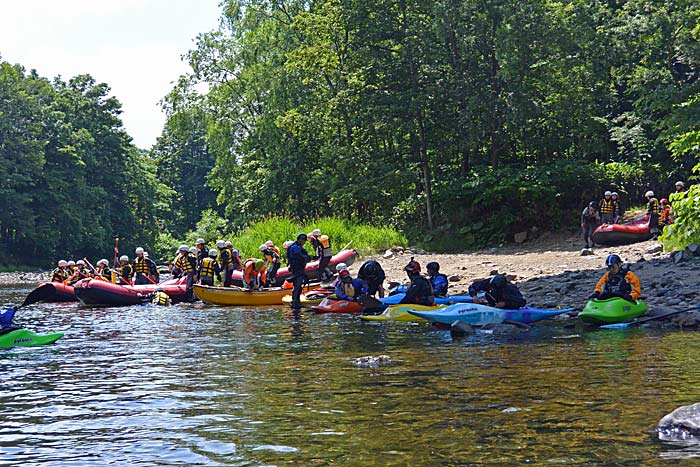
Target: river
197,385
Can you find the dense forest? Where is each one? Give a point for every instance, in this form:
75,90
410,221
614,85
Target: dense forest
458,122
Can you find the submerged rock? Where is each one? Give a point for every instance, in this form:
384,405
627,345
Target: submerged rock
370,361
682,424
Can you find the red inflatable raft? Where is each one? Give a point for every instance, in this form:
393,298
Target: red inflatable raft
344,256
61,292
634,231
97,292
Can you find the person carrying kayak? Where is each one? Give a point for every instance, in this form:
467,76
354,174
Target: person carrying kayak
607,208
617,282
60,274
208,268
348,288
590,219
372,273
254,274
297,257
437,280
160,297
498,292
654,213
420,292
272,263
125,271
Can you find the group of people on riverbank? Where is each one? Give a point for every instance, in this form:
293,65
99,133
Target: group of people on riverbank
609,211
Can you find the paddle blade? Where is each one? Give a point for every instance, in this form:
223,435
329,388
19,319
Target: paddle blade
615,325
40,293
6,317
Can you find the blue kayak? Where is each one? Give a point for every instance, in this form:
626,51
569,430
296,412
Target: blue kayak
396,299
479,315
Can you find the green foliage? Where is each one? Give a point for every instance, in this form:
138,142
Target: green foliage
686,228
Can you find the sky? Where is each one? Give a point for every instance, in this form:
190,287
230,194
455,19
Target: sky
135,46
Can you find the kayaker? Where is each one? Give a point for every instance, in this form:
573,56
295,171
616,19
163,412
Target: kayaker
617,210
254,274
438,281
60,274
187,263
298,257
498,292
141,268
590,219
272,263
348,288
372,273
420,291
654,213
160,297
125,271
666,213
607,208
617,282
208,268
225,262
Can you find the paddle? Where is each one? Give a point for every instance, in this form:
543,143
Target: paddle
36,295
651,318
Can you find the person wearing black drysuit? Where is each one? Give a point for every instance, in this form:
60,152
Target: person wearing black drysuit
372,273
297,257
420,291
499,293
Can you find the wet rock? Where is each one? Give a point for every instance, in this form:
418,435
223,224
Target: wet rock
371,362
459,329
388,254
454,278
586,252
680,256
693,249
503,329
520,237
682,424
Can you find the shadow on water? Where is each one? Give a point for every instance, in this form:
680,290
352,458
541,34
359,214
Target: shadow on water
199,385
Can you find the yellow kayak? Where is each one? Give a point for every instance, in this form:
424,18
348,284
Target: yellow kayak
400,313
241,297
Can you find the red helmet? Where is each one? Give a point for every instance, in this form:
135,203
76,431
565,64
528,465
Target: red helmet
413,267
343,273
664,201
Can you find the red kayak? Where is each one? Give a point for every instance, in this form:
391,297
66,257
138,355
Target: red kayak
634,231
97,292
334,305
345,256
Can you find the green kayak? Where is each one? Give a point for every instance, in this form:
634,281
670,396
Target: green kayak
19,337
612,310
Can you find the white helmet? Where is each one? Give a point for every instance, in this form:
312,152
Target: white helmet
71,263
235,252
62,263
183,248
200,241
139,251
220,243
287,244
103,261
124,258
614,193
193,249
262,247
213,252
341,267
316,232
269,243
80,262
650,194
680,184
229,244
608,193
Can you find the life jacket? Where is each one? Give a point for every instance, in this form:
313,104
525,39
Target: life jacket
297,258
276,250
607,206
250,273
271,256
102,274
653,206
58,275
161,298
141,266
225,257
208,266
126,272
440,284
616,206
325,243
589,214
185,263
352,289
617,284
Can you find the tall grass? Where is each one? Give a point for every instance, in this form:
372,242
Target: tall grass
365,238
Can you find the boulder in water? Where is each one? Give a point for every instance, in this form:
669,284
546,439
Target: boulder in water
371,362
682,424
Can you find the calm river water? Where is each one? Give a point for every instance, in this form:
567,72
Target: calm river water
196,385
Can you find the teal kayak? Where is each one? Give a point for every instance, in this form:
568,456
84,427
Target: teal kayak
479,315
612,310
20,337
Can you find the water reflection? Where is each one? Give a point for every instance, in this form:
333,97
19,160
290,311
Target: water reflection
200,385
